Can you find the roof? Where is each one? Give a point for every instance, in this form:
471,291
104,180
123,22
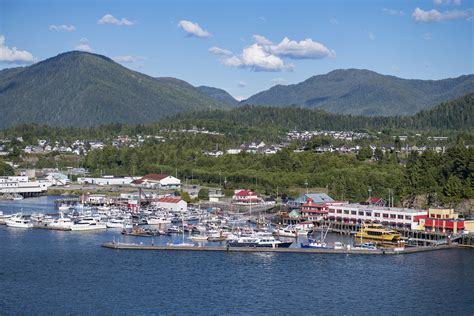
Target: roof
246,193
138,181
169,200
316,197
154,177
375,200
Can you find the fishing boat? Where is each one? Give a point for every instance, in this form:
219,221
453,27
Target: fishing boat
377,232
257,242
115,223
18,221
315,244
61,223
365,246
290,231
157,221
141,232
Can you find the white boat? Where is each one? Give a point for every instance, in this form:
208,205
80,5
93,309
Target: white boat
290,231
62,223
115,223
17,197
64,207
88,224
339,245
257,242
18,221
158,221
199,238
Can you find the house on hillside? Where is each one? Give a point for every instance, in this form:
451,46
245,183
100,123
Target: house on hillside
171,204
158,181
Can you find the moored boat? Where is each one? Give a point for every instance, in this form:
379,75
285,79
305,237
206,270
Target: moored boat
18,221
377,232
257,242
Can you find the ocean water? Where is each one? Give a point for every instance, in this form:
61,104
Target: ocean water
54,272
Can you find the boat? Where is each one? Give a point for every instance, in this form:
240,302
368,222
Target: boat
62,223
18,221
17,197
378,232
115,223
199,238
365,246
338,245
157,221
86,224
141,232
64,207
315,244
258,242
290,231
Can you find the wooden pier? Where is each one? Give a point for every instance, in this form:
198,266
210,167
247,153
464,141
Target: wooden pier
389,251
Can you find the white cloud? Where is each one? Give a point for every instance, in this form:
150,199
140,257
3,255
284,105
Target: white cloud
262,18
110,19
264,55
371,36
220,51
128,59
334,21
62,28
259,39
427,36
84,45
13,55
240,98
305,49
241,84
447,2
436,16
393,11
193,29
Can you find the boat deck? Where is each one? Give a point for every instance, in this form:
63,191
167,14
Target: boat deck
409,250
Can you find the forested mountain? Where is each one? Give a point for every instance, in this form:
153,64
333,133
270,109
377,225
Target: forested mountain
218,94
364,92
457,114
84,89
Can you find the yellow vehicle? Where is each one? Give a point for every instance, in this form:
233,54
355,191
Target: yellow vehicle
377,232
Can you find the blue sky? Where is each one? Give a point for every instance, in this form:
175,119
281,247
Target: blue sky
247,46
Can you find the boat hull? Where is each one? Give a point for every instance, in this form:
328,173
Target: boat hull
253,245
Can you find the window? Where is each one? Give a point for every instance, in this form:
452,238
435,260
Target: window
377,214
339,211
346,211
408,217
353,212
368,213
384,215
400,216
361,213
393,216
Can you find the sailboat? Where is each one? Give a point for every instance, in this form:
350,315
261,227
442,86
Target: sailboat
181,244
318,243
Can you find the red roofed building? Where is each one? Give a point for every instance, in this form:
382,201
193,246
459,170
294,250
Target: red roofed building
311,211
246,197
158,181
172,204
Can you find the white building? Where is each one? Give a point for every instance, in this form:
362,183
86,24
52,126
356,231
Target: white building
158,181
172,204
393,216
22,185
57,179
106,180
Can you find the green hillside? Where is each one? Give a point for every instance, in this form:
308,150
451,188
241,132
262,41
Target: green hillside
83,89
364,92
218,94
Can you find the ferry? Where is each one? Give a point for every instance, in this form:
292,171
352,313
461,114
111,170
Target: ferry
377,232
256,242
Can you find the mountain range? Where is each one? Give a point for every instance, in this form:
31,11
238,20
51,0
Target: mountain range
364,92
84,89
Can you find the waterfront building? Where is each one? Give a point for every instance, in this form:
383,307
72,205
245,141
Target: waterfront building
171,204
23,186
246,197
158,181
392,216
106,180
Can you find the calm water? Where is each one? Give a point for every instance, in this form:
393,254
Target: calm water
52,272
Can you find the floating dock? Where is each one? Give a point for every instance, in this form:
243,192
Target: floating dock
391,251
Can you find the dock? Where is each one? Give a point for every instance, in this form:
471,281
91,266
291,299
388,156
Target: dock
390,251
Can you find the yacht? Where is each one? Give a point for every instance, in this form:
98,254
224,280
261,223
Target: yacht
62,223
18,221
115,223
290,231
87,224
257,242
